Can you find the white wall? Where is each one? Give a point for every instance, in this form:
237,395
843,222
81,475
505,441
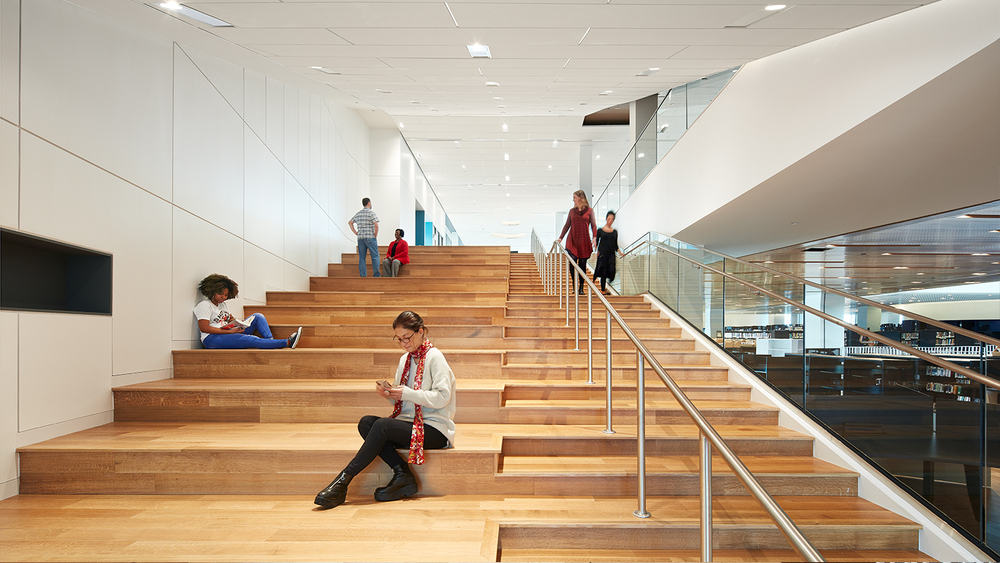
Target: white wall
956,310
778,110
179,164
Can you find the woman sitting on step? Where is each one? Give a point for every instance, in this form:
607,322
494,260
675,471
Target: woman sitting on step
423,398
219,329
397,255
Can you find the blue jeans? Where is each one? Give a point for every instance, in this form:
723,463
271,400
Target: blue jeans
238,341
371,246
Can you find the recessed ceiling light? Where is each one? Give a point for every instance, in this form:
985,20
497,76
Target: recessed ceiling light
641,155
769,261
598,157
963,217
920,273
506,179
504,127
886,254
497,84
497,98
401,126
775,7
980,254
325,70
510,223
605,93
995,231
900,268
555,144
479,51
647,72
506,156
979,274
202,17
664,127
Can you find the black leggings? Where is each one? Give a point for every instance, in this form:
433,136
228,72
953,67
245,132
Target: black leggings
582,262
382,437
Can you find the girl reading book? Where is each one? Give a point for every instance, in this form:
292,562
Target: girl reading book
220,329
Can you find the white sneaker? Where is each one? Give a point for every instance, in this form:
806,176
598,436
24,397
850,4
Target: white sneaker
294,340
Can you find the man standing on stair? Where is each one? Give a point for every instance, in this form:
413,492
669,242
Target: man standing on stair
365,225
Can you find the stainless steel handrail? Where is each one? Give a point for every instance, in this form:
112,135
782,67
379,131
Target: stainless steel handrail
973,375
708,435
887,308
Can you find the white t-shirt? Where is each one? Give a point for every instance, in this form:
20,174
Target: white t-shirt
217,315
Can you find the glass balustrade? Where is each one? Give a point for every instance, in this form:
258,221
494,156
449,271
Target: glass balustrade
677,110
934,430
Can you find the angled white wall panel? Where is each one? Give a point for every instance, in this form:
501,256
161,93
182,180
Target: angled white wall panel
315,147
255,102
8,399
296,248
275,137
81,368
224,76
200,249
302,150
9,175
208,150
262,272
264,196
98,89
319,244
10,60
290,123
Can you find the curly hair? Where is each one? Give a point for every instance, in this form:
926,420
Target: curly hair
215,283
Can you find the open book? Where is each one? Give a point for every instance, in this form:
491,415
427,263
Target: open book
234,322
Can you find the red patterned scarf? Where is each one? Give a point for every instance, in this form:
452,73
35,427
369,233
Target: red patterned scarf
417,437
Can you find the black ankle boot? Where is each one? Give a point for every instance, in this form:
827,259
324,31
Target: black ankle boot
335,493
401,485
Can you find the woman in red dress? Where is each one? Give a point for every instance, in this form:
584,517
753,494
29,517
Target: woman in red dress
582,229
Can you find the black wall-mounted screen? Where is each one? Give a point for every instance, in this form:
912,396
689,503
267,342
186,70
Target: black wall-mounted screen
43,275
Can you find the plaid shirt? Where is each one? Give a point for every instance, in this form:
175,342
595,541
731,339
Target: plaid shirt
364,222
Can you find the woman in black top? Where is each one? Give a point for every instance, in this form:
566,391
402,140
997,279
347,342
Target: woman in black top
607,246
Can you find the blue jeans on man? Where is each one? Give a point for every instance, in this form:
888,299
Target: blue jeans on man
368,246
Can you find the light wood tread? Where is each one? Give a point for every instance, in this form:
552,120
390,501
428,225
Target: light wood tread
651,404
292,436
188,521
694,555
307,385
760,466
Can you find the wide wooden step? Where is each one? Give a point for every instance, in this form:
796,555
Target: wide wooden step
427,271
444,285
379,315
643,332
553,312
301,458
347,400
675,475
407,298
380,336
454,528
664,411
627,372
622,344
321,363
579,358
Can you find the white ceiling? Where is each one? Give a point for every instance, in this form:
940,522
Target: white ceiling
553,60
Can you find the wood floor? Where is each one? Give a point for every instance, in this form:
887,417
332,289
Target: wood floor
222,462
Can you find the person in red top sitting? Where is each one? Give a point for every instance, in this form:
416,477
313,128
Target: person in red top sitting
582,229
397,255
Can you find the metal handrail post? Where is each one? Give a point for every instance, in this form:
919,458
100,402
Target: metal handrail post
640,407
569,284
576,301
607,381
560,280
590,338
705,454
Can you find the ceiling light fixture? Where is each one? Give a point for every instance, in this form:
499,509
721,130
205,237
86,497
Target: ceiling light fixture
496,84
510,223
555,144
479,51
506,179
506,156
580,42
664,127
605,93
326,70
401,126
193,14
504,127
775,7
648,71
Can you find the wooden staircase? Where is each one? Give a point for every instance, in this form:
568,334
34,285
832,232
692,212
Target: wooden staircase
532,477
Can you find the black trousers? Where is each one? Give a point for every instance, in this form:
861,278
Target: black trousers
582,262
382,437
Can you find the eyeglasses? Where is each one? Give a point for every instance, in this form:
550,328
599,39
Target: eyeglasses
403,340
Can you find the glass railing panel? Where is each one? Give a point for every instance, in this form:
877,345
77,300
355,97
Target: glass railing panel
700,93
671,120
934,430
645,151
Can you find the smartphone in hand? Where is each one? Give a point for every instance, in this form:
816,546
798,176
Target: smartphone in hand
384,385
